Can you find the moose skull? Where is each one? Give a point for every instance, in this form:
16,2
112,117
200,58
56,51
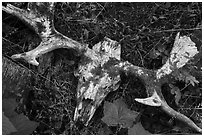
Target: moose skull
97,77
98,71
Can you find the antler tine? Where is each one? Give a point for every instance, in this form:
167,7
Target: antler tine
183,50
179,116
157,100
40,17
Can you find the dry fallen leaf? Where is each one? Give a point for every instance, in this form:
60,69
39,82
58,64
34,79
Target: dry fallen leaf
175,91
185,76
138,129
117,113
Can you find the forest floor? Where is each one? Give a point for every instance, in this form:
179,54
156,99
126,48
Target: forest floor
146,32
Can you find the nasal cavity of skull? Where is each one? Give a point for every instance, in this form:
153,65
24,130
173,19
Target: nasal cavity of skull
85,104
87,101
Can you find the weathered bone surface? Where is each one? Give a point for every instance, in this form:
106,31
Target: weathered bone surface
100,67
154,100
39,17
184,49
96,77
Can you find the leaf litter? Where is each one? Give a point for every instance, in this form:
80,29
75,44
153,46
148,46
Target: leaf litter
117,113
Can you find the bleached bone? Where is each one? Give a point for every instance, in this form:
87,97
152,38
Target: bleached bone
96,77
184,49
100,67
39,17
154,100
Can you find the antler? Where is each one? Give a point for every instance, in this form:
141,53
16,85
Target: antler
183,50
99,70
39,16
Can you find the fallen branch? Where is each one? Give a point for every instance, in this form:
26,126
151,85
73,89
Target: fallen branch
100,67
